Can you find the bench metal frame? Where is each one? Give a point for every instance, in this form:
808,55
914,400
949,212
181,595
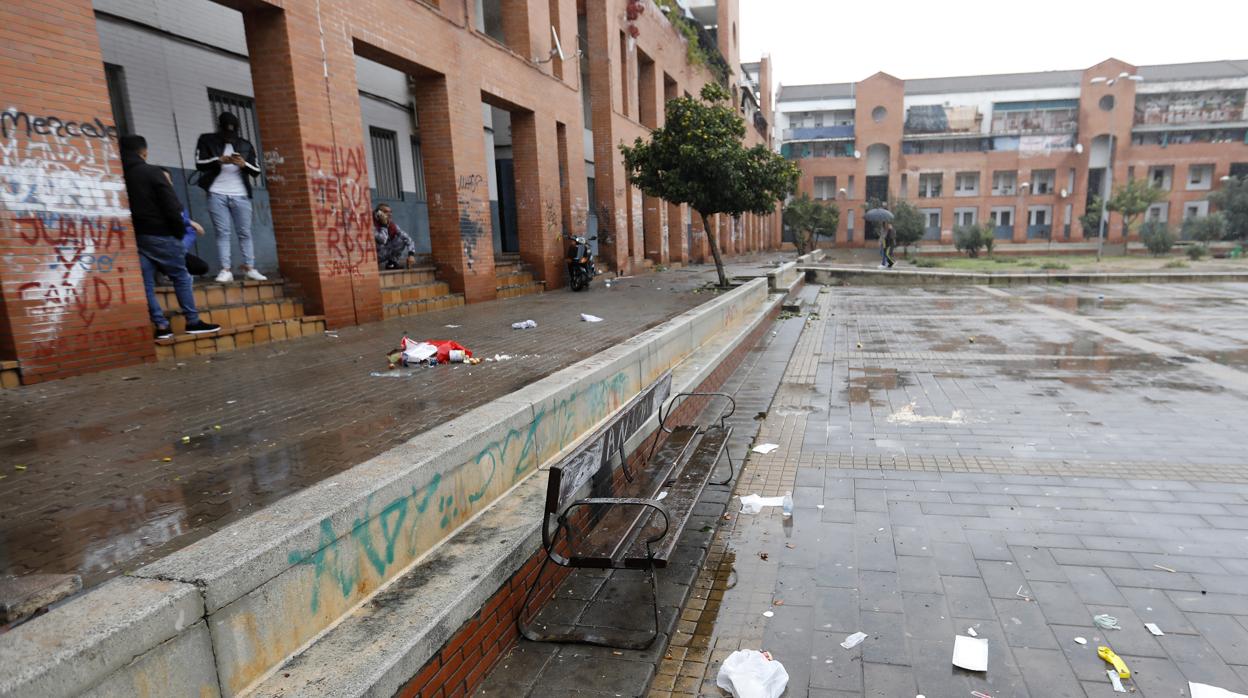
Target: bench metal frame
567,531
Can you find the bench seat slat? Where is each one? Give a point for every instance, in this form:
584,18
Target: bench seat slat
601,544
682,496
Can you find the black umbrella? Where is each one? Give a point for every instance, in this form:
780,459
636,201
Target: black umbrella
878,215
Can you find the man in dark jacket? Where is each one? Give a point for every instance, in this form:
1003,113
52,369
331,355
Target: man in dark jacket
158,230
227,162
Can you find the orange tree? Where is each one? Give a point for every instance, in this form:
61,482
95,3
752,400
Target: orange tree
698,158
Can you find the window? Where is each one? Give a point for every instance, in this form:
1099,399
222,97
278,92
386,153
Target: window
1040,216
849,220
904,190
1158,212
1004,182
118,98
931,218
418,170
1002,217
851,187
929,185
1195,209
245,109
1042,181
966,184
1160,177
386,163
825,188
964,216
489,19
1200,177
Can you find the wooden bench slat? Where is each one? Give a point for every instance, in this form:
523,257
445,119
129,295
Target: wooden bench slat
601,544
682,496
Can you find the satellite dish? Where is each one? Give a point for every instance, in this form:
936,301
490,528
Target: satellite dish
1079,148
558,46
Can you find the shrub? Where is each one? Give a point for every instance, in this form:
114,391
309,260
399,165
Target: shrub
966,238
1055,265
1028,263
1196,252
1157,238
1206,229
1176,264
926,263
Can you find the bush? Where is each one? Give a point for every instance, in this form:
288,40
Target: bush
1176,264
1157,238
1196,252
1206,229
1054,266
972,238
1028,263
926,263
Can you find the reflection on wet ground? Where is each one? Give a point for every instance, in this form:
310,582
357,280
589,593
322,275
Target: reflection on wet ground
105,472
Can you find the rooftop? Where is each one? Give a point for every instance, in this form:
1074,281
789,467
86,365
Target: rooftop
1208,70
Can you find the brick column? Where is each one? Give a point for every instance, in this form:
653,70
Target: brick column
535,147
71,293
698,251
677,237
449,111
322,209
654,248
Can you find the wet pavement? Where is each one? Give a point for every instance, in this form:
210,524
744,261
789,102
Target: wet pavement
1081,456
103,473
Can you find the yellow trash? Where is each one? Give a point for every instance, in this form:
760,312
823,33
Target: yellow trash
1109,656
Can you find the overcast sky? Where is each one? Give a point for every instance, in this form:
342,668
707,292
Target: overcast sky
818,41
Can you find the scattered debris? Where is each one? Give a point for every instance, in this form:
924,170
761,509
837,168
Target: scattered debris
762,556
19,466
971,632
1152,628
453,327
753,503
394,373
768,614
790,546
906,415
186,439
1106,622
778,602
1203,690
591,318
977,694
765,448
752,674
970,653
1115,681
1114,660
854,640
216,427
1021,595
523,325
818,506
1081,640
1163,567
166,459
661,497
972,339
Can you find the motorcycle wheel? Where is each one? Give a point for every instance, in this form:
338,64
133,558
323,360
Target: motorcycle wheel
578,280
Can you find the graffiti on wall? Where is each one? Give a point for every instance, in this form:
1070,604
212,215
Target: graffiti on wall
62,186
390,536
342,207
472,212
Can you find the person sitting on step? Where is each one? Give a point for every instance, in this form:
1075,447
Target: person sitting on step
395,249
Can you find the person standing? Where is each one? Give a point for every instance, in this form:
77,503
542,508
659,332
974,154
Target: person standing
395,249
158,231
227,163
888,241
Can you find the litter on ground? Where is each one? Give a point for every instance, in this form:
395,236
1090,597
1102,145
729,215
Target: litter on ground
1152,628
1081,640
1203,690
590,318
523,325
752,674
970,653
854,640
753,503
1115,681
1105,621
765,448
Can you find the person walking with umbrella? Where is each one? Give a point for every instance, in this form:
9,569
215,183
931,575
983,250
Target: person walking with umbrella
888,237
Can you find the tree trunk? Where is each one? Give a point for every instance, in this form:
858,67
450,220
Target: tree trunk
719,261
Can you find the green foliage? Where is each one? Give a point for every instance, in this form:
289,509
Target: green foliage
1232,201
698,158
1157,237
1091,219
698,47
1054,266
810,219
1210,228
1196,252
966,238
926,263
1175,264
1133,198
908,224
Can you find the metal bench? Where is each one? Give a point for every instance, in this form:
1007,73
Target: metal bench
634,515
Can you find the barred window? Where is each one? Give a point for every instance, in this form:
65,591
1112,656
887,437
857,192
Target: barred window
386,162
418,170
245,109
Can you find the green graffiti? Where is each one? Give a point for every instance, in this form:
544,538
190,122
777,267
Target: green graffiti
327,546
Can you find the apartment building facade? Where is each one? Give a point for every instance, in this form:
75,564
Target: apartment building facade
491,127
1027,152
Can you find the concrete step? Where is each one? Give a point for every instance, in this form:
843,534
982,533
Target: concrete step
398,278
523,289
426,305
10,374
243,314
212,294
22,597
512,278
415,292
184,346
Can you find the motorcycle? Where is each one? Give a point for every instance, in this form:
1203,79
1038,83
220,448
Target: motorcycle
581,269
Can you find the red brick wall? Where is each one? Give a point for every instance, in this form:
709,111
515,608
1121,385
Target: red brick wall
71,290
464,661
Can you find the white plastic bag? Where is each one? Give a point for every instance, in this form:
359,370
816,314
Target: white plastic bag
752,674
414,352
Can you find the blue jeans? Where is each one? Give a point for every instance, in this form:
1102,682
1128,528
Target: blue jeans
231,215
166,255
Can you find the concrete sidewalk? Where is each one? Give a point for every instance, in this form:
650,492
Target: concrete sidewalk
106,472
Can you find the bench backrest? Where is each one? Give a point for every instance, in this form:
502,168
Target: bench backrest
606,442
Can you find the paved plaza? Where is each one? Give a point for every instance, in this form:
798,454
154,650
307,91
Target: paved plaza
1011,461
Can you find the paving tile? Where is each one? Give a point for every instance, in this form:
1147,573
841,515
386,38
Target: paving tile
886,639
1226,633
1023,624
957,559
1093,586
1200,661
1060,604
1036,564
919,574
1154,606
1047,673
967,597
887,681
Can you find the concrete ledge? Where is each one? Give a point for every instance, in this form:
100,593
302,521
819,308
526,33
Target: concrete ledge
386,641
271,583
73,648
832,275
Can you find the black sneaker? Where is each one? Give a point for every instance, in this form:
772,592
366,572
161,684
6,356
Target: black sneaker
202,327
164,333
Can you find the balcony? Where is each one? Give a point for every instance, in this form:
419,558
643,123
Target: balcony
817,149
819,133
1040,118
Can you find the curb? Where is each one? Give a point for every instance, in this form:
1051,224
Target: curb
830,275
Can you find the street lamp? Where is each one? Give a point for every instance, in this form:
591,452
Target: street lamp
1103,225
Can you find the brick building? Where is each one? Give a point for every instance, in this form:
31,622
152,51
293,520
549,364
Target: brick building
1027,151
490,126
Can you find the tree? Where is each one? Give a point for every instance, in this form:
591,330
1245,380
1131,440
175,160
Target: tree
1132,199
908,224
698,158
1157,238
1232,201
809,219
1091,218
971,238
1206,229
